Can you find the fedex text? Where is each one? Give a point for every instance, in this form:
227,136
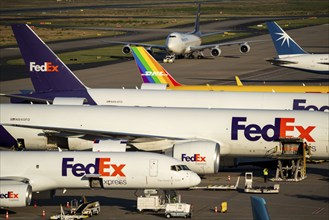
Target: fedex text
269,132
193,158
101,166
46,67
299,104
9,195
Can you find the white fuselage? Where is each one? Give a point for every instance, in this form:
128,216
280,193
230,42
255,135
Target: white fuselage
238,132
210,99
180,43
309,62
55,170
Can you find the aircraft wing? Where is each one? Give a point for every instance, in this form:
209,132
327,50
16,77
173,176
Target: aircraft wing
161,47
28,98
280,62
209,46
97,134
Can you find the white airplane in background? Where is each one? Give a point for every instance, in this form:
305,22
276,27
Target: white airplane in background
291,55
22,173
197,137
186,44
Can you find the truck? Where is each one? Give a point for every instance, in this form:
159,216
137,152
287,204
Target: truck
87,209
178,210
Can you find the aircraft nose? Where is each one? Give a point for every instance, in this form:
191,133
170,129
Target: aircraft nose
195,179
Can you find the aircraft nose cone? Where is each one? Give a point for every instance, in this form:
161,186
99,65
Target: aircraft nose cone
195,179
171,46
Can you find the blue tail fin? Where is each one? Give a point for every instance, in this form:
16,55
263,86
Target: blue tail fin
283,43
197,22
47,71
259,210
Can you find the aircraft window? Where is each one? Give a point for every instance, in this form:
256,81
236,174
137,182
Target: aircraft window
179,167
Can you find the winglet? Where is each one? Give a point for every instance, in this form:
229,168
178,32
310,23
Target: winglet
238,81
47,71
259,210
150,70
284,44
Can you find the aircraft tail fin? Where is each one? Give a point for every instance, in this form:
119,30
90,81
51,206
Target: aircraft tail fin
150,70
197,22
238,81
284,44
47,71
259,210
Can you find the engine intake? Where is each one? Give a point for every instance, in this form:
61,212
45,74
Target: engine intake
201,157
244,48
215,52
126,49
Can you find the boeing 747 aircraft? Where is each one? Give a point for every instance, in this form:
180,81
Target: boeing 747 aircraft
197,137
42,171
187,44
153,73
291,55
52,78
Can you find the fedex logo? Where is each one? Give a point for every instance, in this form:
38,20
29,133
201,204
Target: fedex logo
270,132
151,73
9,195
299,105
101,166
194,158
46,67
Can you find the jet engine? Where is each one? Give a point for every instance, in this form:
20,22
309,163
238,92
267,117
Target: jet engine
126,49
215,52
15,194
201,157
244,48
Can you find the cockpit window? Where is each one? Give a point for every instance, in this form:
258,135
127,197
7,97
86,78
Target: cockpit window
172,36
179,167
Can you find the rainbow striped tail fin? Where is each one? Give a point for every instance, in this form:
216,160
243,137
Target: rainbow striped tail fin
150,70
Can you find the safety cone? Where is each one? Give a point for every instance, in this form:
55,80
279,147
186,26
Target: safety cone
228,178
43,213
7,215
216,209
35,204
67,205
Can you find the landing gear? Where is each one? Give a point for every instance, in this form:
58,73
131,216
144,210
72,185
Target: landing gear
169,59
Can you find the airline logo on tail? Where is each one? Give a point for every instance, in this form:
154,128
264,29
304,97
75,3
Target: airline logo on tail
283,43
269,132
46,67
102,166
150,70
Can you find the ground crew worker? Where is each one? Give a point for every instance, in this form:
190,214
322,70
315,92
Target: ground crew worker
265,173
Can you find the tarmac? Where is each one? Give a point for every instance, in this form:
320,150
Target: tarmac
308,199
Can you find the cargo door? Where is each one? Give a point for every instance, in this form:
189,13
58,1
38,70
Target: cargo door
153,168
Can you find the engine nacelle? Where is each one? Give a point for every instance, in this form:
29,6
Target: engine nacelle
201,157
126,49
244,48
15,194
215,52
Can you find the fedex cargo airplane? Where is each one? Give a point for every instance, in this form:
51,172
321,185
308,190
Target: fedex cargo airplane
43,171
153,74
187,44
291,55
52,78
198,137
